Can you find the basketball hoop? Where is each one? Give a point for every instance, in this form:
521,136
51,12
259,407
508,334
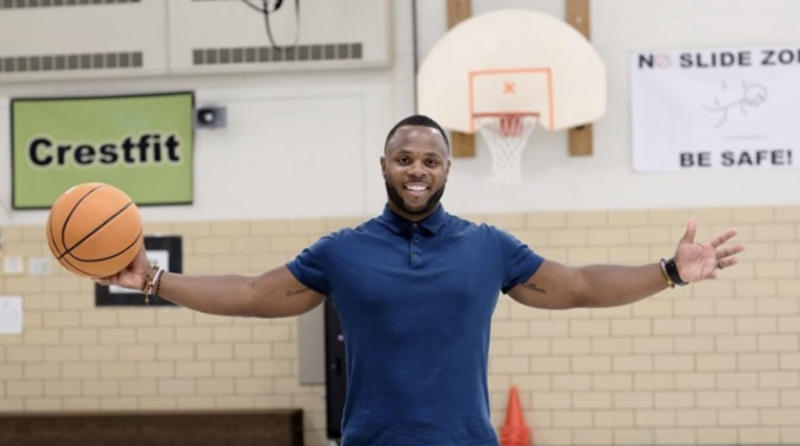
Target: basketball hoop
506,134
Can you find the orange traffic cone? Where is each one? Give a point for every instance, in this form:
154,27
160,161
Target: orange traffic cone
515,432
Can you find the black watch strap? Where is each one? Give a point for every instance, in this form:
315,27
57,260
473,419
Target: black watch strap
672,271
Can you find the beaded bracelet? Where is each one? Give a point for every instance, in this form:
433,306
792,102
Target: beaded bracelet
148,277
152,283
157,281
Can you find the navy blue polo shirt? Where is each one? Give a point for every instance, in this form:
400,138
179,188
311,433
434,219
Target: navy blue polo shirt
415,303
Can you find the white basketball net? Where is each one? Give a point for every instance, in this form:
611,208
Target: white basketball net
506,136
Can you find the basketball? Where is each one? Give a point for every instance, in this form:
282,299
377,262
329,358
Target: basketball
94,230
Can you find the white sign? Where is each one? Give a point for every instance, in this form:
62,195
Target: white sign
716,108
13,265
40,266
10,314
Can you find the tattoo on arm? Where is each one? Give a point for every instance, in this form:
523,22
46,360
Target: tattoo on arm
291,293
532,286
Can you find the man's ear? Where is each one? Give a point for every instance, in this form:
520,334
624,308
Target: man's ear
383,166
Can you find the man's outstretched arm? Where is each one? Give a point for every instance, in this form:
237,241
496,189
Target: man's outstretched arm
276,293
557,286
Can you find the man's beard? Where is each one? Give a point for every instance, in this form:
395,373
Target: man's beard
398,201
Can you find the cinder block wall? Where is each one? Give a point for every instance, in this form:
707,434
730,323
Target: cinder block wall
712,363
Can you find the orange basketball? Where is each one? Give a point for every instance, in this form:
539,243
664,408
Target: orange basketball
94,230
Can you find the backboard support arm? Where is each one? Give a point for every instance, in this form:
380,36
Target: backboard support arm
580,138
462,144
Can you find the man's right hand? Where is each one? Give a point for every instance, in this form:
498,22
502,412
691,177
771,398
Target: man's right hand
133,276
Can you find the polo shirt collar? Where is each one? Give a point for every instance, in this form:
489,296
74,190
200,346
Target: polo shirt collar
399,225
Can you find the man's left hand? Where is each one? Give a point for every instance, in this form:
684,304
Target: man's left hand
696,261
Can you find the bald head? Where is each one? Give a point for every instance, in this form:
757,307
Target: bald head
418,121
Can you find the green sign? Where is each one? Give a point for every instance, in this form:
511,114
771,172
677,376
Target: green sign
142,144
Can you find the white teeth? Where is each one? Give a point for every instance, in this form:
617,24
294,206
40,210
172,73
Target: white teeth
416,187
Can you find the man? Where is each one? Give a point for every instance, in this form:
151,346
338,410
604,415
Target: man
415,289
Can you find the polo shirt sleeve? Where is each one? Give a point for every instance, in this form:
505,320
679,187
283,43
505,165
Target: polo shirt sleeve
519,262
312,266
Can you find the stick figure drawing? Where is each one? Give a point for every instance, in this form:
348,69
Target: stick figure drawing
753,95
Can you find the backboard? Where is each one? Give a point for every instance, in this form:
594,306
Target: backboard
512,61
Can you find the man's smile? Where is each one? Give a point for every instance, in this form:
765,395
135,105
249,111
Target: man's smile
416,189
